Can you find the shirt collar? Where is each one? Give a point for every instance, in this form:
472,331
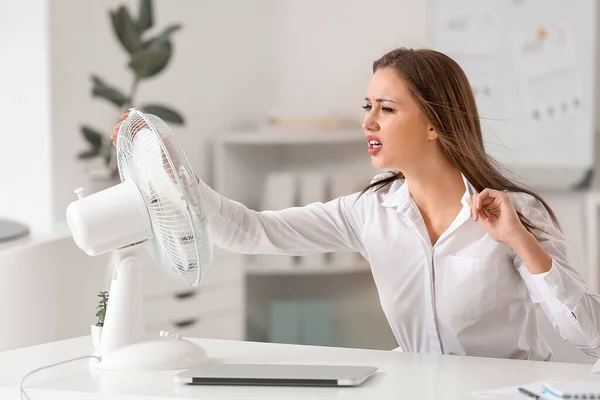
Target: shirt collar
399,195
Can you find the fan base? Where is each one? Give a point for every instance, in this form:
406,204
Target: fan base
160,353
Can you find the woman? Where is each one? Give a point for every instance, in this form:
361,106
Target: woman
459,253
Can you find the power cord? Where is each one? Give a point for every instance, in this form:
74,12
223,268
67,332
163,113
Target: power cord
22,391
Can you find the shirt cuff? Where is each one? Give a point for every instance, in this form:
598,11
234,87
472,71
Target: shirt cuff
559,289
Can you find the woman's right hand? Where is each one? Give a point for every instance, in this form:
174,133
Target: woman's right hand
166,142
116,129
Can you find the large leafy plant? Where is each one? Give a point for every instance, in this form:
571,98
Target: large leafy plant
149,56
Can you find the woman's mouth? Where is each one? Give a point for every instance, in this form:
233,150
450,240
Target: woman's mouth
374,145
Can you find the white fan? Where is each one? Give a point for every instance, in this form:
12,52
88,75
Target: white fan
157,207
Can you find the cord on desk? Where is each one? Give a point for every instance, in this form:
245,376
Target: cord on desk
49,366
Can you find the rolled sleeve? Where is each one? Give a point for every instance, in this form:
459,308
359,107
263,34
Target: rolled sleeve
558,289
563,295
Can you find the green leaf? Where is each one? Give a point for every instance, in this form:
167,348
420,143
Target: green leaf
126,30
165,113
101,89
88,154
151,60
108,151
154,55
163,37
146,16
92,136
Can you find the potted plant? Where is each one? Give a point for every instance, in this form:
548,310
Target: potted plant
149,55
100,314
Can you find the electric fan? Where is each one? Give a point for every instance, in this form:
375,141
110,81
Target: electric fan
156,207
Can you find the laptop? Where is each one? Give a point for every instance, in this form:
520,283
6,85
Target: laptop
276,375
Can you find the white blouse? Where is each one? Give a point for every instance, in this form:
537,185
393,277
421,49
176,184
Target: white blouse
465,295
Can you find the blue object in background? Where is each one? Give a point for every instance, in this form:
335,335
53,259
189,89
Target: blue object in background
316,327
284,322
301,322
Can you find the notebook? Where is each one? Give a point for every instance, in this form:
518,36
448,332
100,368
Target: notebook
551,389
571,389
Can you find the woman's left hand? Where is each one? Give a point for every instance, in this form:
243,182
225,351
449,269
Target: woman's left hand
497,214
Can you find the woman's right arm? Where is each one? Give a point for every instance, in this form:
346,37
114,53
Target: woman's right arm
315,228
312,229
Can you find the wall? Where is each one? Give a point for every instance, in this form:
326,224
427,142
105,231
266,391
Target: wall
25,177
325,50
219,76
234,63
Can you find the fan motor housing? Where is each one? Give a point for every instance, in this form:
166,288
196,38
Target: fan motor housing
110,219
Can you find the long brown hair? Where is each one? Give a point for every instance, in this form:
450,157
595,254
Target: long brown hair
443,94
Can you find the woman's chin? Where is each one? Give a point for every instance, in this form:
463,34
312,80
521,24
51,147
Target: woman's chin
377,162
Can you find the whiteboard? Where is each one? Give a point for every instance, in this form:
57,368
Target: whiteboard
531,64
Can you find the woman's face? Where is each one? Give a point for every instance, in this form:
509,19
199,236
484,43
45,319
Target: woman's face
398,135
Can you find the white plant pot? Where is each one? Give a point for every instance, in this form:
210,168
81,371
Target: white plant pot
96,335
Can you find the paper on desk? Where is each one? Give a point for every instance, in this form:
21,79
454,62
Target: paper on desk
511,392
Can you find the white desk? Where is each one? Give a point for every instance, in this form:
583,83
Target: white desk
400,375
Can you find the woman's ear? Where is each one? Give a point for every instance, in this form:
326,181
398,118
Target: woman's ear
431,133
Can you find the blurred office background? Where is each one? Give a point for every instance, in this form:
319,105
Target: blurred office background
265,98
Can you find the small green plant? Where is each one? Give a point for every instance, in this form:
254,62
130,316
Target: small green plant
149,55
102,304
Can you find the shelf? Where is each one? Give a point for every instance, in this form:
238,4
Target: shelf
292,137
244,161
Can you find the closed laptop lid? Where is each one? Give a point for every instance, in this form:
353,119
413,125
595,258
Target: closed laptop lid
277,374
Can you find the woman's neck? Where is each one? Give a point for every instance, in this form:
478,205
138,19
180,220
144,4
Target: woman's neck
436,187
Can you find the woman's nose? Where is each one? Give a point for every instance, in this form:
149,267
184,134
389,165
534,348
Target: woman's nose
369,123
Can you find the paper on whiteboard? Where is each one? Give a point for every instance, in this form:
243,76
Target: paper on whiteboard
469,39
549,73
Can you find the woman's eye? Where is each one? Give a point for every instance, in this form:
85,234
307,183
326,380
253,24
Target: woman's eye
367,107
387,109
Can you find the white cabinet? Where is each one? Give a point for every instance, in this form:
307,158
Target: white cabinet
215,309
244,165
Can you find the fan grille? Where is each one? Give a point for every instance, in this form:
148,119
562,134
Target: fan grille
150,156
